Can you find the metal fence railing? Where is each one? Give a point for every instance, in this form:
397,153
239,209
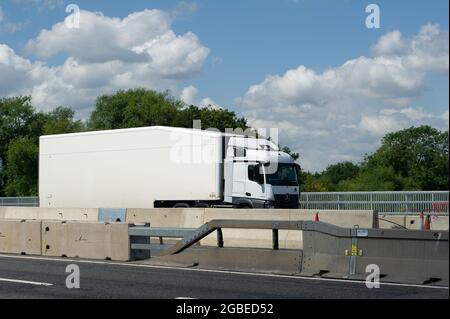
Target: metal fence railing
19,201
384,202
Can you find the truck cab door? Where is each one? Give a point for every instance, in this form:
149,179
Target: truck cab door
254,185
239,180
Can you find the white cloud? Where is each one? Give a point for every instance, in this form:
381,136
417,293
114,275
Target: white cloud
362,77
427,51
390,44
140,37
189,96
341,113
17,72
379,125
413,114
104,55
209,102
389,120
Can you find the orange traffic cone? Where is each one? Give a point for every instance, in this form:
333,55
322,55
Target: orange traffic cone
316,218
427,223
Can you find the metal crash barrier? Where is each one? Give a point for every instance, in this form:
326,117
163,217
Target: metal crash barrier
140,238
405,256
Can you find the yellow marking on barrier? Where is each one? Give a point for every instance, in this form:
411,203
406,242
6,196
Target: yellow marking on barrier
354,250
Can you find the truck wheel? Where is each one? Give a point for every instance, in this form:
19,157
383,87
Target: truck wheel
181,205
244,206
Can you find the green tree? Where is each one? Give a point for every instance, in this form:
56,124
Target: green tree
20,128
311,183
140,107
378,178
418,155
16,118
2,193
337,173
134,108
61,121
411,159
22,168
220,119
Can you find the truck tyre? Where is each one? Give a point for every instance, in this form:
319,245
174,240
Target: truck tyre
181,205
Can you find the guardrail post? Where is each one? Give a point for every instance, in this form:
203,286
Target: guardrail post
275,242
219,238
139,254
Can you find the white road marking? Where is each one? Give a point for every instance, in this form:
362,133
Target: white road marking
35,283
217,271
184,298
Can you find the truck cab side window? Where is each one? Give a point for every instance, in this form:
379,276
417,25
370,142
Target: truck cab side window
255,175
251,173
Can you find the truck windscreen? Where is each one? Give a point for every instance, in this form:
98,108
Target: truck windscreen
286,175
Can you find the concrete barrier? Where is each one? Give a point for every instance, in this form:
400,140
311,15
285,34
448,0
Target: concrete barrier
20,237
91,240
167,217
37,213
195,217
417,257
392,222
28,213
341,218
438,222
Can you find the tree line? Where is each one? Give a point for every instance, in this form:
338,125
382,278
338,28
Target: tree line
412,159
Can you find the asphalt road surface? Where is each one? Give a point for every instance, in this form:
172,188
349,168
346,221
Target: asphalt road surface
28,277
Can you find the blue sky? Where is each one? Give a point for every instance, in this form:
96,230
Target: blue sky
252,39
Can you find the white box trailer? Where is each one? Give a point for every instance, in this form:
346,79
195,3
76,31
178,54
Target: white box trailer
154,167
129,168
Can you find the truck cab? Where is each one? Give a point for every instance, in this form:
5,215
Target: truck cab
259,175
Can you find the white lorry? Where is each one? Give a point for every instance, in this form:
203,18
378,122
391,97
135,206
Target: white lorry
164,167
